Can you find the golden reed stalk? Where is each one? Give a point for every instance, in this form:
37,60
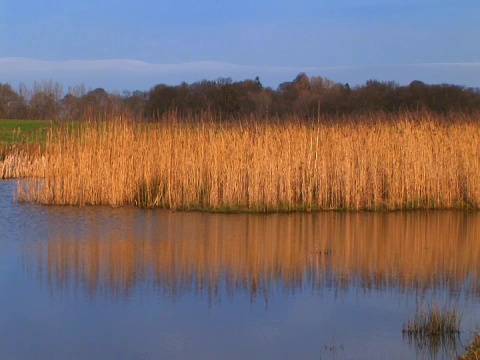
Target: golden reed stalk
19,163
375,161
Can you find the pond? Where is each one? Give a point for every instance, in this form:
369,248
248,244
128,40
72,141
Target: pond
98,282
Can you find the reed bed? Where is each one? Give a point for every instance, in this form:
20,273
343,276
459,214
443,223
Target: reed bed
434,322
370,162
472,352
434,329
22,163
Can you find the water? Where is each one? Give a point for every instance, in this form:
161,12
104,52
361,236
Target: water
98,283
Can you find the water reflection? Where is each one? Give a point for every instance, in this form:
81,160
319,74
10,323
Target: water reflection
129,283
218,254
430,347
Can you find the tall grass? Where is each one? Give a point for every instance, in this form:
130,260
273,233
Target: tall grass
433,322
21,147
433,329
472,352
21,162
368,162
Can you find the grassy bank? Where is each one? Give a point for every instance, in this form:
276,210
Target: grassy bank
19,141
23,131
370,162
21,144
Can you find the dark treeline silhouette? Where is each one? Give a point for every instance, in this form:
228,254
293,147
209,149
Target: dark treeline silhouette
303,97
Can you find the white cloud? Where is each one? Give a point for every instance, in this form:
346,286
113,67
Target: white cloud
118,74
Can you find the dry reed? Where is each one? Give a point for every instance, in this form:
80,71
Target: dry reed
433,322
372,162
472,352
22,163
433,330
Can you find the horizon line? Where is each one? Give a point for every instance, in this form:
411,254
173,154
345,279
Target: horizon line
119,74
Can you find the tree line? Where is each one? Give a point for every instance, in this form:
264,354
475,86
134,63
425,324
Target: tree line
304,96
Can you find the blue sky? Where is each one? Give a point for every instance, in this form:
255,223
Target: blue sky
273,39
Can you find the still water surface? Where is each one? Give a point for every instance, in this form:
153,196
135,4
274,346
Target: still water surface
99,283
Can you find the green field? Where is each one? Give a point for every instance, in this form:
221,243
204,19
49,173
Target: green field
21,134
23,131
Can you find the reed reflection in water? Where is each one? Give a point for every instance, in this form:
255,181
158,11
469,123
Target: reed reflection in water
216,255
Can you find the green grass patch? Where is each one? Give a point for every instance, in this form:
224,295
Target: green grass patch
23,131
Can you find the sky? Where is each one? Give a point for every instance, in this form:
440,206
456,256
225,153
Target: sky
137,44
